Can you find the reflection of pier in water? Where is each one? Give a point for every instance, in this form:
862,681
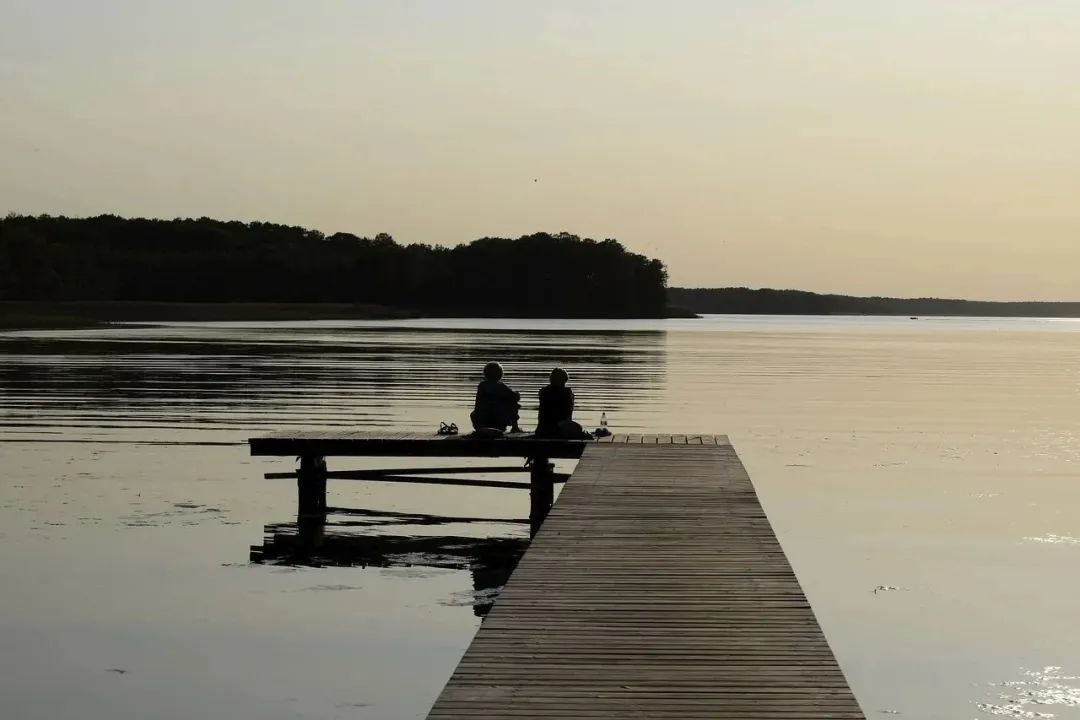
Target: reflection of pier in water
369,538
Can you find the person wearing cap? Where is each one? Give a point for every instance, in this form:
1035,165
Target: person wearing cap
557,408
496,404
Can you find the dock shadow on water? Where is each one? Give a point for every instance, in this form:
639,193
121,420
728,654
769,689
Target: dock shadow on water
361,539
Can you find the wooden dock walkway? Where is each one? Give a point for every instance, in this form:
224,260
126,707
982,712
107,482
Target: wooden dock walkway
655,588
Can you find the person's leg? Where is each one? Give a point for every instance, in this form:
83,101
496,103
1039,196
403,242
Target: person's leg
509,417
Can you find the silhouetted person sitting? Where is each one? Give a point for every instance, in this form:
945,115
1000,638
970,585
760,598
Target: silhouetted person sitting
557,408
496,404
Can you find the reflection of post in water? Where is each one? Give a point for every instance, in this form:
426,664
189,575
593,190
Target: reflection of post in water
310,535
313,542
311,485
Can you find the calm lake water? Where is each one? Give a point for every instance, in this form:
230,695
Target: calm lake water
921,475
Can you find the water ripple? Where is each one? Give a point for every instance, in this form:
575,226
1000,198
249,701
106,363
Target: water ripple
150,382
1044,689
1052,539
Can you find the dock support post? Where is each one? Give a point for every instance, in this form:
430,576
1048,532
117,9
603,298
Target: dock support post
541,492
311,486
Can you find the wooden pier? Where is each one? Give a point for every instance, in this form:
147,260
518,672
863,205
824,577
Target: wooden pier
655,588
312,449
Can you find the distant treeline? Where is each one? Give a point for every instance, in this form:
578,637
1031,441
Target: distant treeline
799,302
109,258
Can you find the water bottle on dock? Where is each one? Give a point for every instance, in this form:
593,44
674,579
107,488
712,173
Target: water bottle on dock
603,431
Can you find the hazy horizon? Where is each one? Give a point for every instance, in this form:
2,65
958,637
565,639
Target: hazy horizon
922,150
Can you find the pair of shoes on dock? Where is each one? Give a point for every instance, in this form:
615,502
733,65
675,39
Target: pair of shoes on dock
448,428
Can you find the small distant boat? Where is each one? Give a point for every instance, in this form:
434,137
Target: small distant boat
913,318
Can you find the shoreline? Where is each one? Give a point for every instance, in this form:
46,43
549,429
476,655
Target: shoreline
40,315
27,315
69,315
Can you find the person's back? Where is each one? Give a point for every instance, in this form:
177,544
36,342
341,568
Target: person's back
496,404
556,405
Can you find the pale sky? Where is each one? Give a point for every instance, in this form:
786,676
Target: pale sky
922,147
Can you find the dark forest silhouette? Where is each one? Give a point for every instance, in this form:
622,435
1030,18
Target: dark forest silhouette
109,258
110,265
799,302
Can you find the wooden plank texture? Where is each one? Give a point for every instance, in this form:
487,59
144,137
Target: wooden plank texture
656,588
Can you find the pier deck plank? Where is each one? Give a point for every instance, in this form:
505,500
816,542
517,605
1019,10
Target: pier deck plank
655,588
